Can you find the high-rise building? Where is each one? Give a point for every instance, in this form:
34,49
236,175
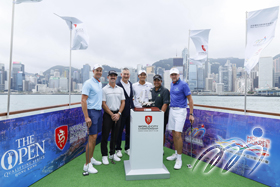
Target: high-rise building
56,73
200,78
85,72
19,81
205,72
160,71
2,77
167,79
240,85
209,84
276,65
139,67
219,88
266,72
54,82
63,84
233,66
178,63
76,76
192,77
150,77
133,75
150,69
225,76
185,64
18,75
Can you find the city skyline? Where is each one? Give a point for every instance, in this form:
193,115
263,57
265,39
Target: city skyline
229,77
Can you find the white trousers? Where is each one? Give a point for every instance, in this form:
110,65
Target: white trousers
177,118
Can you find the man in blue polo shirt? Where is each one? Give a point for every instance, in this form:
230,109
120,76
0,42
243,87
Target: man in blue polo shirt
180,94
92,105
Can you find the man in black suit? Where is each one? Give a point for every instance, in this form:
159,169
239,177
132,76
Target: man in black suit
125,117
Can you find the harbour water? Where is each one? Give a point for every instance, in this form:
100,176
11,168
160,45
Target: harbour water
265,104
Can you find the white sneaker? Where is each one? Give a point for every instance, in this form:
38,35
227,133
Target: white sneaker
95,162
115,157
89,168
119,153
178,164
127,152
172,157
105,160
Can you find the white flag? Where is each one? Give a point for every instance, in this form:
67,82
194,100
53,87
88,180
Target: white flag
200,40
81,38
197,62
70,21
26,1
260,32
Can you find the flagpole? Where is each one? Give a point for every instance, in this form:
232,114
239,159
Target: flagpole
69,88
245,99
11,55
188,65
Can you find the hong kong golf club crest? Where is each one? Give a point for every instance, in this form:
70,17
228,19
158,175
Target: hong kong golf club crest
148,119
61,136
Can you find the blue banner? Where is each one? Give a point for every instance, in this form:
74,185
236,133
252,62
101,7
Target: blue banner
246,145
32,147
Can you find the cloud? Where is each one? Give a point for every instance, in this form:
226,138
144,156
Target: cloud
125,33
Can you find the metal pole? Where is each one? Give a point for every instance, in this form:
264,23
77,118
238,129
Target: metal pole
188,57
245,99
190,165
69,88
11,56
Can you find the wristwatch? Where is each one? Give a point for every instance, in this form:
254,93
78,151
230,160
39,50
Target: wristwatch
191,114
119,113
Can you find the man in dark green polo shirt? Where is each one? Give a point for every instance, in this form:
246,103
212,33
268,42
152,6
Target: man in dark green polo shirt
161,97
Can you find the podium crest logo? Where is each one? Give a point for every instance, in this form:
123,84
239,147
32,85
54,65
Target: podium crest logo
148,119
61,136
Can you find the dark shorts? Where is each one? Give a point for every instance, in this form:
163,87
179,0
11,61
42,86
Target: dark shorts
166,114
96,119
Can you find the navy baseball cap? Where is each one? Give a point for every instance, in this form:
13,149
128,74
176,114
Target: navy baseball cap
157,77
112,72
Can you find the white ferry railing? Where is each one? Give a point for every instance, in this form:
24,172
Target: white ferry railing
197,105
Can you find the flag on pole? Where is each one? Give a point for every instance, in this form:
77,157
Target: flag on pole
200,40
260,32
26,1
81,38
70,21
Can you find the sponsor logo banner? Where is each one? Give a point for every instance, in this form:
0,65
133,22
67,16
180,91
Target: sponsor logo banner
246,145
34,146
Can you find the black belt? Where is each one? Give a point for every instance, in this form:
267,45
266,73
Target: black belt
114,112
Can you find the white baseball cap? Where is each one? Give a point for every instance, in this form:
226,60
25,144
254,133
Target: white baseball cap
174,70
97,66
141,71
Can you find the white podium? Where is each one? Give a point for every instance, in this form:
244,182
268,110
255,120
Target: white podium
146,145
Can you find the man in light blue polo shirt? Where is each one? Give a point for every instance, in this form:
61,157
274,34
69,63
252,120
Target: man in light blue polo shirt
92,105
180,94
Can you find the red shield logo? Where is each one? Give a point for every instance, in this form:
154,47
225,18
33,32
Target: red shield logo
61,136
148,119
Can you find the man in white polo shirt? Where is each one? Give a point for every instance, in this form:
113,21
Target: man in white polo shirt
141,89
91,106
113,102
180,94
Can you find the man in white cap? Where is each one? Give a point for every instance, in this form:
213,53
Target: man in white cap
142,89
180,94
92,105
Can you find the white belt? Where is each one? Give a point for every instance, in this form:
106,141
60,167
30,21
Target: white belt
176,108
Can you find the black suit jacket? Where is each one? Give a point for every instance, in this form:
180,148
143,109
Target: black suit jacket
128,100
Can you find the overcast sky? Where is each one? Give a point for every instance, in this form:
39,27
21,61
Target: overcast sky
125,32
